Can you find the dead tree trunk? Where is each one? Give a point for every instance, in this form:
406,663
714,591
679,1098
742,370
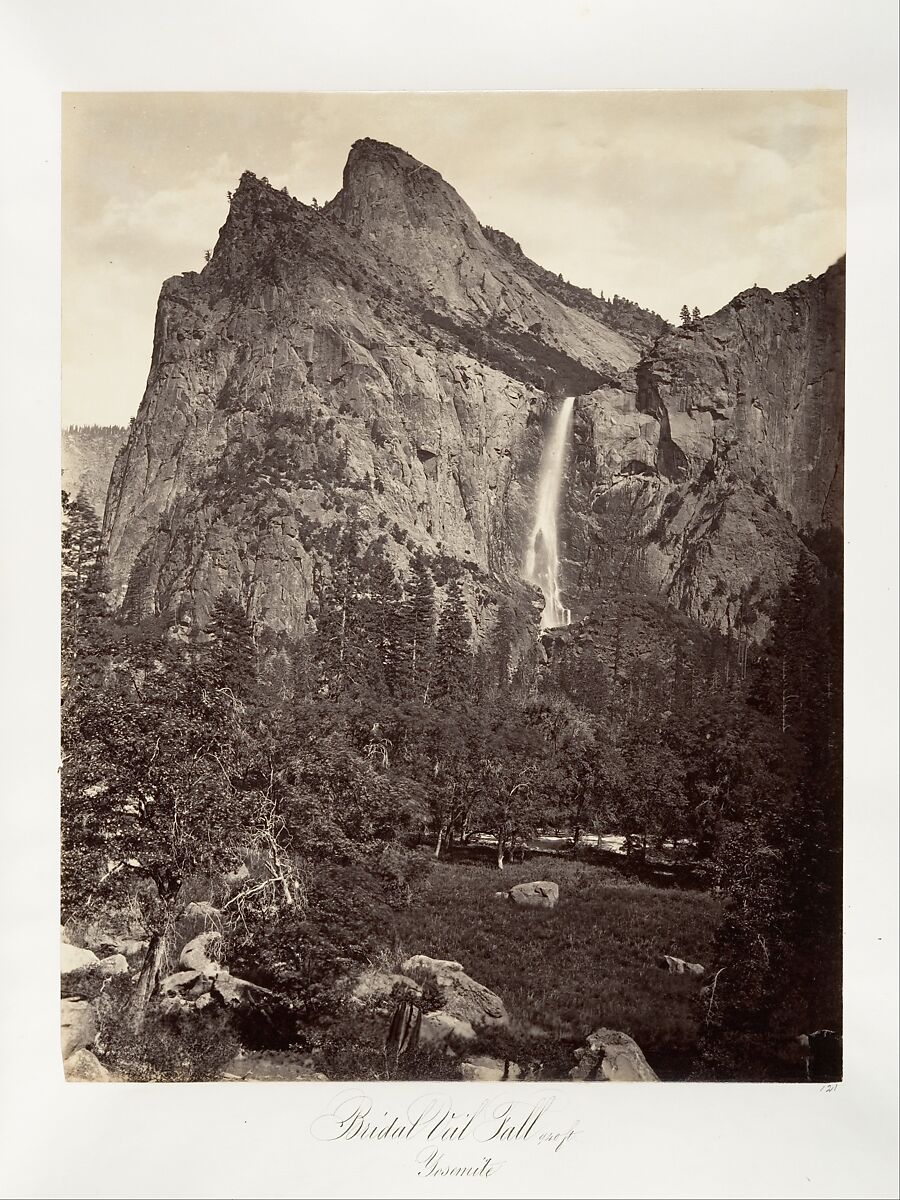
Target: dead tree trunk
148,980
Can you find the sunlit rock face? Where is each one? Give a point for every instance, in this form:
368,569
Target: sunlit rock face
385,358
88,454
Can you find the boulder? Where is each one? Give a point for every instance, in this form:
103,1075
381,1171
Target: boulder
231,990
678,966
374,990
612,1057
462,997
481,1068
179,983
104,942
75,958
438,1028
232,878
542,894
114,964
85,1067
200,954
78,1025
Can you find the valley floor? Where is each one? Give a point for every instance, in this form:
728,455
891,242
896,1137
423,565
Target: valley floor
590,961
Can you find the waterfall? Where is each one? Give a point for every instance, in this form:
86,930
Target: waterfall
542,560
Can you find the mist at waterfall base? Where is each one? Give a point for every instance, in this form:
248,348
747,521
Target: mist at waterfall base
542,561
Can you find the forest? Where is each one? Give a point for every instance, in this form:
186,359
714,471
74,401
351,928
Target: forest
340,799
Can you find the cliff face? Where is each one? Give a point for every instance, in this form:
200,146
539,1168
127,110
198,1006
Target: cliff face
88,454
729,447
385,359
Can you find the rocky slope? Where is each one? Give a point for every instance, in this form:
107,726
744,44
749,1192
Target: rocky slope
88,454
388,360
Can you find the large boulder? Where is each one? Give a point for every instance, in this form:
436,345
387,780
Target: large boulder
106,936
462,997
439,1028
233,991
85,1067
78,1025
128,947
75,958
194,989
542,894
113,964
612,1057
182,981
678,966
374,991
201,954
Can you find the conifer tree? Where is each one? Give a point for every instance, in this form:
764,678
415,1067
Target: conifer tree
685,315
232,655
453,658
695,315
84,586
418,631
374,650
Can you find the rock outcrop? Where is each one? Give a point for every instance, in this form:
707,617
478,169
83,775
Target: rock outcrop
82,1066
612,1057
201,954
385,359
78,1024
463,998
76,958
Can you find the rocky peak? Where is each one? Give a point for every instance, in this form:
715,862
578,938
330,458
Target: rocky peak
383,186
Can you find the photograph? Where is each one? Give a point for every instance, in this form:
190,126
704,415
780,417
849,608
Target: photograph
452,586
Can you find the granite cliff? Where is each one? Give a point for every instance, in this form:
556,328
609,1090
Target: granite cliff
387,360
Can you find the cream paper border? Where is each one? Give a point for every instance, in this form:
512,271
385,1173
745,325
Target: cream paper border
224,1141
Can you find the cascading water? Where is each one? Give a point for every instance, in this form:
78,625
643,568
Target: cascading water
542,560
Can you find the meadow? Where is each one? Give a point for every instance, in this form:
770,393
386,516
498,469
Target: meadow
591,961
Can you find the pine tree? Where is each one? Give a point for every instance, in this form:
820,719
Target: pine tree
84,586
453,657
232,652
338,609
417,632
685,315
695,315
375,648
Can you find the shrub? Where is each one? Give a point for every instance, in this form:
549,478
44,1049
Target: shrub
305,954
168,1047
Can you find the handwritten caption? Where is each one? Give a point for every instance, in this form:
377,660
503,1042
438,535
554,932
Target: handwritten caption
447,1138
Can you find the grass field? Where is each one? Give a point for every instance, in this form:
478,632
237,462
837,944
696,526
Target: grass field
588,962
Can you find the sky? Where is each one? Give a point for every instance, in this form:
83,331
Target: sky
668,198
